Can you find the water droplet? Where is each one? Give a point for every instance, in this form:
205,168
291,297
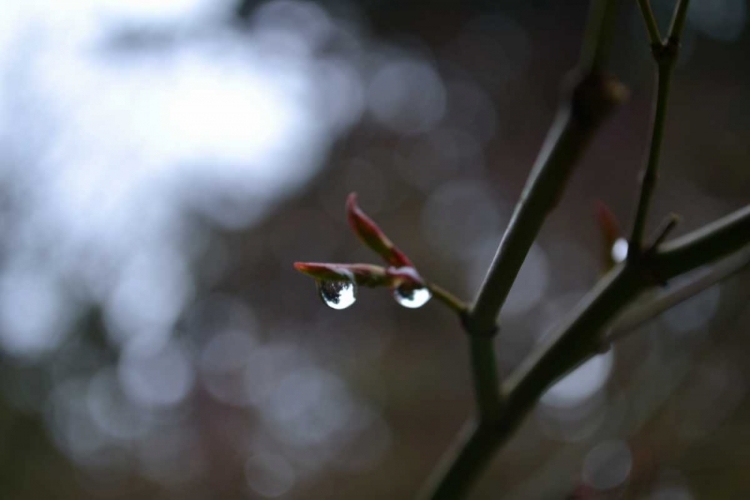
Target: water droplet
338,294
412,297
619,250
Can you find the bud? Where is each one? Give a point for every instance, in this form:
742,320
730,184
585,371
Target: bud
372,236
361,274
609,228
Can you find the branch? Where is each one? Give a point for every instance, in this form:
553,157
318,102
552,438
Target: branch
678,20
447,298
642,313
703,245
648,17
592,97
665,54
576,339
578,336
571,343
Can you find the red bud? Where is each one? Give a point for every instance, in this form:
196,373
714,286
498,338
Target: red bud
362,274
372,236
610,231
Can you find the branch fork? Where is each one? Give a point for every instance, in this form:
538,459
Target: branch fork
593,323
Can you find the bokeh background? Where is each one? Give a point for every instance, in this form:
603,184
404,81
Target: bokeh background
164,163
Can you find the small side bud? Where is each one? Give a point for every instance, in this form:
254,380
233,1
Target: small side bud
372,236
612,238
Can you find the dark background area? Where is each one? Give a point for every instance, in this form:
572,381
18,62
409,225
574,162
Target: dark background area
164,164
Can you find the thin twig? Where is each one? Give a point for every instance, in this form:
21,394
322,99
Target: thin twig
703,245
678,20
642,313
592,99
665,61
664,230
597,41
648,18
448,298
665,54
576,338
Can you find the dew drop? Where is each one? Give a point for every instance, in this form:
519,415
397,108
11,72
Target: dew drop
619,250
412,298
337,294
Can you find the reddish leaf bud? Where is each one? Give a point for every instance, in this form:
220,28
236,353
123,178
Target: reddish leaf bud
372,236
610,230
361,274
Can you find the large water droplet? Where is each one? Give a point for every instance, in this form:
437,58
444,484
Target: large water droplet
412,297
337,294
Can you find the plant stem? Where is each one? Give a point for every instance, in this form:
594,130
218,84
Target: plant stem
598,37
650,175
665,54
448,298
576,339
642,313
484,368
678,20
591,100
702,246
648,18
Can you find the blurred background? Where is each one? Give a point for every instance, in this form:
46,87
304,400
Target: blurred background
165,162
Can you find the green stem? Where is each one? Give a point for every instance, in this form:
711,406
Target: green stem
650,174
592,99
665,54
464,462
642,313
597,40
678,20
448,298
484,375
703,246
648,18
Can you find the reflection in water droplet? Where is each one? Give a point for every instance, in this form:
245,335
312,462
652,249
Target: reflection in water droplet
337,294
412,298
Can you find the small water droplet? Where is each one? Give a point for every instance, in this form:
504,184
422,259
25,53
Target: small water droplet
412,297
338,294
619,250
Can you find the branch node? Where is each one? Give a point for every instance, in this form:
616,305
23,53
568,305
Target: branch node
472,330
592,96
666,53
